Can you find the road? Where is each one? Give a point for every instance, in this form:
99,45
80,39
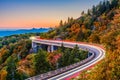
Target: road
98,51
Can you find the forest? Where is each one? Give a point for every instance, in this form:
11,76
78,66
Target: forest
18,61
100,25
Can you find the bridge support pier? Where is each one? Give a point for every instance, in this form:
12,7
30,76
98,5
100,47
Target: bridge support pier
34,47
50,48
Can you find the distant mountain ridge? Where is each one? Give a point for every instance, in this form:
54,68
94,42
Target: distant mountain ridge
22,31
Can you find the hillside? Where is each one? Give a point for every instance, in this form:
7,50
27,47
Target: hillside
96,20
100,25
109,68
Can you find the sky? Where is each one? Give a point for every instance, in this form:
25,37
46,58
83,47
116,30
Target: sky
40,13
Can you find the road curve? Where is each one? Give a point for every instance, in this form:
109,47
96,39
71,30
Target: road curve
98,51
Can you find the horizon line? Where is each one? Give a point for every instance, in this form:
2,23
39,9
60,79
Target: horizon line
23,28
26,28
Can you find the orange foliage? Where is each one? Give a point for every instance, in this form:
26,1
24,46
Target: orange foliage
97,24
26,66
3,51
53,58
75,28
83,28
3,75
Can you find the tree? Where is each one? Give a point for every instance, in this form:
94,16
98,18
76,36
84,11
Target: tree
11,69
61,23
71,58
53,58
70,20
94,10
94,38
65,57
114,3
74,54
107,6
3,74
62,48
41,63
82,13
4,53
88,12
75,51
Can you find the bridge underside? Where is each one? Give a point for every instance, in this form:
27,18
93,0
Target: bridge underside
49,48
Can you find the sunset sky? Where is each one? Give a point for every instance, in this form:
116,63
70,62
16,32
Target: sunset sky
40,13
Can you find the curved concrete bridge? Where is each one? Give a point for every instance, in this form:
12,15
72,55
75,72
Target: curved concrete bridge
61,74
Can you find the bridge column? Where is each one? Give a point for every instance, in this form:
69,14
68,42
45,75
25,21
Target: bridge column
34,47
50,48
